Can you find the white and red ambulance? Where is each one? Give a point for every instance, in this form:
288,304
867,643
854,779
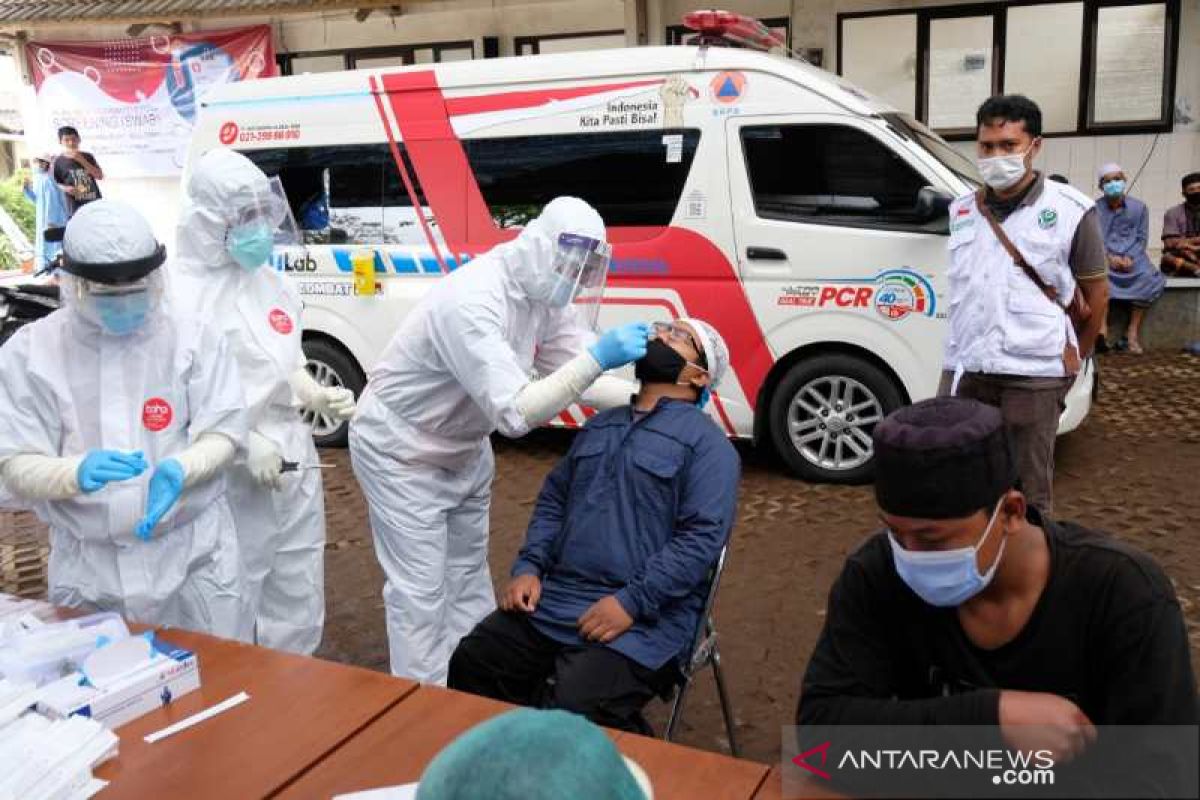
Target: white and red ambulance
802,217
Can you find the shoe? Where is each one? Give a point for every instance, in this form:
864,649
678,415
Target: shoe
1122,345
1135,348
1102,344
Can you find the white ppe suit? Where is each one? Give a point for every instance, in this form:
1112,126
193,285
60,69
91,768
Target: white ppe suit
281,533
459,368
169,389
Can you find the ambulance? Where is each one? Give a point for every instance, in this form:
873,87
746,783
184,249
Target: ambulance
802,217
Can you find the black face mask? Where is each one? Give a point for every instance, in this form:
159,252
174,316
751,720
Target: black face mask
661,364
1192,199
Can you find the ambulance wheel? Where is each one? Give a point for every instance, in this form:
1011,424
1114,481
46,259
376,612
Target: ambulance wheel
330,365
823,413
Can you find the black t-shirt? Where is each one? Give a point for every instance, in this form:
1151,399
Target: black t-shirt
1107,633
68,172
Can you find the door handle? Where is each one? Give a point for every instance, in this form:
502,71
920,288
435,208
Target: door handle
765,254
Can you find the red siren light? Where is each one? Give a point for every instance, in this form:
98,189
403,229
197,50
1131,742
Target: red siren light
723,28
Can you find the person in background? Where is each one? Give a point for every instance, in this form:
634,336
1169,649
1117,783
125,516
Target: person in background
1009,344
76,171
458,369
1181,232
1125,223
50,213
533,755
607,592
221,274
970,607
117,420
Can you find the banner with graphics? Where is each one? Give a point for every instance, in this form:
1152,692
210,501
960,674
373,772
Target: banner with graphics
134,101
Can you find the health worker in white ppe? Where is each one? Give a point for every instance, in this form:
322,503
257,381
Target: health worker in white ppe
226,232
117,420
459,368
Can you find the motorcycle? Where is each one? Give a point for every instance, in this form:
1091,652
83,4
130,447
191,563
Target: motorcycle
23,303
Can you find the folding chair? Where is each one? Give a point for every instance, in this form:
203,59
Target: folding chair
704,653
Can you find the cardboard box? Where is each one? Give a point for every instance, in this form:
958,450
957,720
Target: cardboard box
154,686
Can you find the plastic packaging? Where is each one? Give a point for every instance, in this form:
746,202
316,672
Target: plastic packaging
47,653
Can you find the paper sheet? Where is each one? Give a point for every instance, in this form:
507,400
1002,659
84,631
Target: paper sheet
406,792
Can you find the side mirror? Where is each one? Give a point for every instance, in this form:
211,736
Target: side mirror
932,204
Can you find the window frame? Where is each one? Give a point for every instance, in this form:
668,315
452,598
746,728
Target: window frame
673,34
917,169
1087,82
535,42
388,174
615,216
1087,77
350,56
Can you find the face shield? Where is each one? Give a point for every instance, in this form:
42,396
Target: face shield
259,224
120,309
578,274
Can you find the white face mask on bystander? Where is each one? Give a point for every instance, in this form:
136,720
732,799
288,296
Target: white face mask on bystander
1003,172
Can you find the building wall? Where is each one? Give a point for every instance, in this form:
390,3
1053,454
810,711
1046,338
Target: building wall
1171,155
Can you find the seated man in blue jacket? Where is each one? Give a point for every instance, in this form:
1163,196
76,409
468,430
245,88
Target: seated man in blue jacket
608,589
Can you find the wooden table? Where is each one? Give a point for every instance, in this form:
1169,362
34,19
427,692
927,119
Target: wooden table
812,789
314,729
396,748
300,710
681,773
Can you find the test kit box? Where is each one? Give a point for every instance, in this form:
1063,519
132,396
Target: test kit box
173,674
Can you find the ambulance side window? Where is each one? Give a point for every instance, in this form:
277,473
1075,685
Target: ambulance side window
345,194
832,175
633,178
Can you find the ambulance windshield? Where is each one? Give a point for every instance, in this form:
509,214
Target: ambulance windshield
936,146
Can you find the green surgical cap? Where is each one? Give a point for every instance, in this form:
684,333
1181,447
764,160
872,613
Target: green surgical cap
530,755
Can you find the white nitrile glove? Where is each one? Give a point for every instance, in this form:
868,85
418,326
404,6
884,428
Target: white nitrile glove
263,460
327,401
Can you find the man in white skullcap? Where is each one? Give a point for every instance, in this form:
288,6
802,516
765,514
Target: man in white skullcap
608,589
1132,276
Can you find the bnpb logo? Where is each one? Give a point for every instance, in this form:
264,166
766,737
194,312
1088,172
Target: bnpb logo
156,414
280,321
728,87
229,132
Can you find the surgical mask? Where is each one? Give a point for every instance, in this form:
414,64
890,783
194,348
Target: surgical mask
946,578
1003,172
1114,188
122,314
250,245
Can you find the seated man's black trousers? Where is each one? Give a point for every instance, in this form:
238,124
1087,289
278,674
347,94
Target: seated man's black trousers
508,659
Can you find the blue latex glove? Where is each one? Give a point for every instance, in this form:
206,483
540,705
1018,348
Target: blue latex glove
166,484
100,467
617,347
705,396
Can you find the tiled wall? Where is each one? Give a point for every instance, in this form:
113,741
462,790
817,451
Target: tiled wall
1174,155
